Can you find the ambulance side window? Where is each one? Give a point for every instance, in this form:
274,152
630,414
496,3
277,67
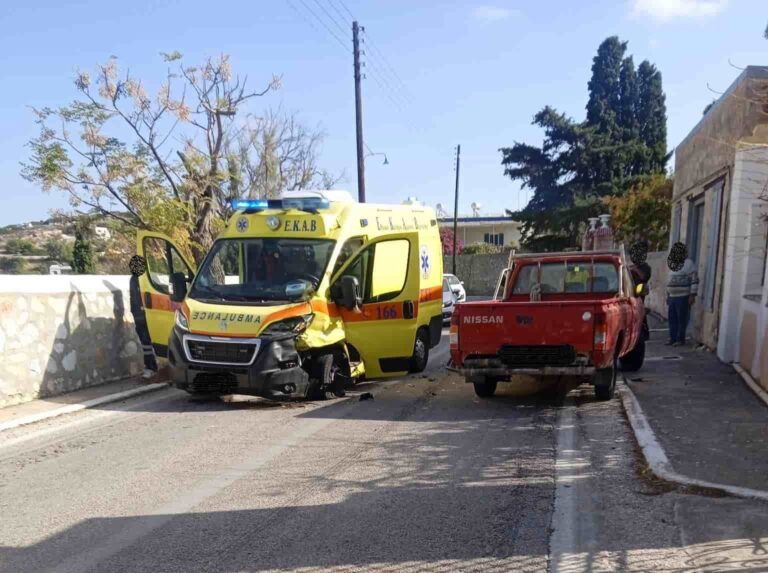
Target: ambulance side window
349,247
179,266
158,268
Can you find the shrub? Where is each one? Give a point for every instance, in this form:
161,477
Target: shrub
481,249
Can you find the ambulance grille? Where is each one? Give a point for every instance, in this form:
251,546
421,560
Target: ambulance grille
537,356
221,352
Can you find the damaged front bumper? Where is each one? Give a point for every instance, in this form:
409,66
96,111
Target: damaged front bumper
220,365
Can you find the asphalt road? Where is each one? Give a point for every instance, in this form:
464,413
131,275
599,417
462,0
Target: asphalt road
425,477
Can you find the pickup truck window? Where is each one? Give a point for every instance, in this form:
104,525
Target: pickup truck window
571,277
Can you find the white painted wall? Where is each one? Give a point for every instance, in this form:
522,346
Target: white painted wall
744,252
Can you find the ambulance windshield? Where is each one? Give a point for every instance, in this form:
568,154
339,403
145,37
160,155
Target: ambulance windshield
262,270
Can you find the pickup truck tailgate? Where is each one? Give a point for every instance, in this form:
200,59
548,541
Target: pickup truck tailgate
484,328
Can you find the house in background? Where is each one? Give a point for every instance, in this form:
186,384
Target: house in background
499,230
719,211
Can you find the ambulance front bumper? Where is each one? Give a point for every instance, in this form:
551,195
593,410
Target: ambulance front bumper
270,368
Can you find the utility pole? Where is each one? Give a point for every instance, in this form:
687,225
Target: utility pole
358,115
456,206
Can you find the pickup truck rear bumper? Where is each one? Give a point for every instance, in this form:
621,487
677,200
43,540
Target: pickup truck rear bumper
495,367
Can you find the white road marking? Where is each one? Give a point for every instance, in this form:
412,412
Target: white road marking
570,519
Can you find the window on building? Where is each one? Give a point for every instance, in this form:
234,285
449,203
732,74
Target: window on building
695,227
494,239
715,191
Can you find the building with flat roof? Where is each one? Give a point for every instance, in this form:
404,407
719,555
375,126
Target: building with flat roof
498,230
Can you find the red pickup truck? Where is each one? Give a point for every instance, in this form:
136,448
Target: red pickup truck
555,314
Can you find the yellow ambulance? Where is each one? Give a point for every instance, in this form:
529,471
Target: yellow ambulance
298,297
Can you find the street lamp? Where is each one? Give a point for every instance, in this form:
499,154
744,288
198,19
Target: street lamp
386,161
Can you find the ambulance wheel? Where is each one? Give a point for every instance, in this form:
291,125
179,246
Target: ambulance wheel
420,355
323,382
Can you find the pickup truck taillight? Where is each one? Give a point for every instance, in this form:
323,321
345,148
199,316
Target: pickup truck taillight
454,332
600,332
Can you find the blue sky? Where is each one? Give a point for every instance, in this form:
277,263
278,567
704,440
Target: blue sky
471,73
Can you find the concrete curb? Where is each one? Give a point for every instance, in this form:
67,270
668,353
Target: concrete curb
71,408
657,458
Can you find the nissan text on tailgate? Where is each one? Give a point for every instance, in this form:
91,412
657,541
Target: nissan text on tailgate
556,315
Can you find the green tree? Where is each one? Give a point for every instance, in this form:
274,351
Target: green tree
59,250
579,163
20,247
603,106
83,260
643,212
652,117
13,266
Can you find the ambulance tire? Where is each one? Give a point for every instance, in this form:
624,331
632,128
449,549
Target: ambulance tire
420,356
324,384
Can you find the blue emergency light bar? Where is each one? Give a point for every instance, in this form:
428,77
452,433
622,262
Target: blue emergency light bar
310,204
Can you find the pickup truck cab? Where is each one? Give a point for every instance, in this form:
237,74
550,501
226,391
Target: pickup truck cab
555,314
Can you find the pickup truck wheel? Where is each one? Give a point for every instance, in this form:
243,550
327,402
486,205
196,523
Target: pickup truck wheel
323,383
605,381
633,361
485,388
420,355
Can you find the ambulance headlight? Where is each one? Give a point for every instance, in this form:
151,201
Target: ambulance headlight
181,321
294,325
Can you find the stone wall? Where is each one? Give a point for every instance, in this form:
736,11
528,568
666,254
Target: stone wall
479,272
63,333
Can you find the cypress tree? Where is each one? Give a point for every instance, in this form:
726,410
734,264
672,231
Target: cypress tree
604,103
652,117
82,255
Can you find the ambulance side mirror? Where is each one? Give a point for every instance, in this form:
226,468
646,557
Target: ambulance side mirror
350,293
178,287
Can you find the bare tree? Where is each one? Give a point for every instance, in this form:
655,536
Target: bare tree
153,162
275,153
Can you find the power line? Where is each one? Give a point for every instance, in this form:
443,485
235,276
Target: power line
343,5
377,75
344,19
369,42
331,18
341,42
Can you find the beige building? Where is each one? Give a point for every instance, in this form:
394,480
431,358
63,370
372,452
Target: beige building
497,230
721,173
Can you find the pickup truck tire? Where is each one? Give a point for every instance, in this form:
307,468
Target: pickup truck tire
633,360
324,384
485,387
605,381
420,356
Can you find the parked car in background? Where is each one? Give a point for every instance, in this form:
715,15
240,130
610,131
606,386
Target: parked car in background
456,286
449,301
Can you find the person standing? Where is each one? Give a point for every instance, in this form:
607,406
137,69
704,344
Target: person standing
138,266
682,288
